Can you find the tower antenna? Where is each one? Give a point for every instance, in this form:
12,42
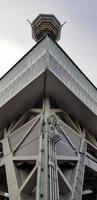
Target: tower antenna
29,22
63,24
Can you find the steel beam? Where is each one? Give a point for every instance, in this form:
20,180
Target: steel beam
10,171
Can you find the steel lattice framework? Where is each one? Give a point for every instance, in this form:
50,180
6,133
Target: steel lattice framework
48,128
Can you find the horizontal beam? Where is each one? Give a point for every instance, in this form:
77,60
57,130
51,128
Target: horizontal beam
67,158
4,194
24,158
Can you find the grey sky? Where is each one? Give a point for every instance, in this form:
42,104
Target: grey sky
78,38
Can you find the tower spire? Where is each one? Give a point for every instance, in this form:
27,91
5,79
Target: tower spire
45,24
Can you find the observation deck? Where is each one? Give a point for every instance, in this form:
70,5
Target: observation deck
46,25
64,82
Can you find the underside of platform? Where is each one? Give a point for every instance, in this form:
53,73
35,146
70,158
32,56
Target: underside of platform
47,150
48,130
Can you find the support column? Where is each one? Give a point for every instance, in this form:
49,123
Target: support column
54,137
47,176
79,177
10,171
42,173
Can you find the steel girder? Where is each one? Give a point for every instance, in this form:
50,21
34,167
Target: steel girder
43,155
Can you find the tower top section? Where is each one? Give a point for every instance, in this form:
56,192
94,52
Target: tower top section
46,24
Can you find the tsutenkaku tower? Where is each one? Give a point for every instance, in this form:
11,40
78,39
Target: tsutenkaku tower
48,123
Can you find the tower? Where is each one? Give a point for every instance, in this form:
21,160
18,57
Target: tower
48,124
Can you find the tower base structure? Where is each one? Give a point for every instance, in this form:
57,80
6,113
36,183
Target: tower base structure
48,123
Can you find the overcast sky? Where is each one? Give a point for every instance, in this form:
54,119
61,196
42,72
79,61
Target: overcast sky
78,37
